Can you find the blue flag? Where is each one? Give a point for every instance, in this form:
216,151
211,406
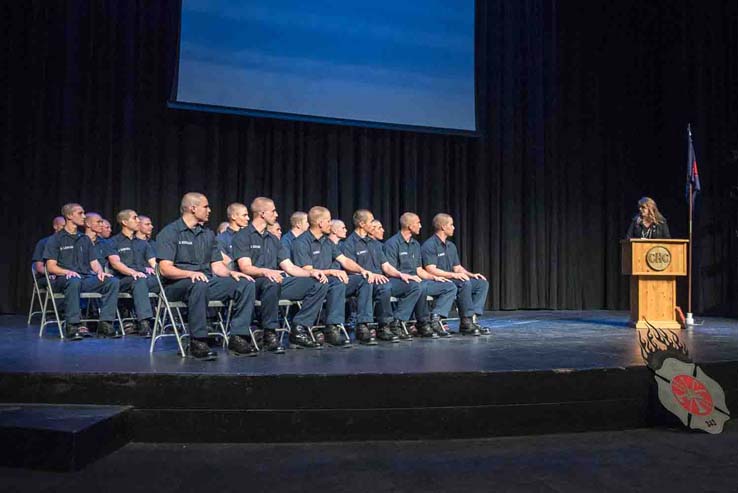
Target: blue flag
693,176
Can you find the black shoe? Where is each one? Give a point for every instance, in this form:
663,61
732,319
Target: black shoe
396,328
73,333
365,336
299,337
239,346
201,351
319,336
385,334
438,328
467,327
144,329
426,330
482,329
271,342
334,337
106,329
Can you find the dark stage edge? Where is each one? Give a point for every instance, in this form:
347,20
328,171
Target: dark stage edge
539,372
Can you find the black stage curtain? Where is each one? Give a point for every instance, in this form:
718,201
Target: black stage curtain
583,108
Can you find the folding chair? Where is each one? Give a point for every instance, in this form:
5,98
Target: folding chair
52,296
167,309
37,293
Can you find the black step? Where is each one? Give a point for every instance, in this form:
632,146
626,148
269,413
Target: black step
60,437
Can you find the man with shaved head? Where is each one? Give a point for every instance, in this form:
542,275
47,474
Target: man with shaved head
94,227
338,232
276,230
403,252
57,224
193,272
298,225
441,259
133,261
107,230
72,264
376,232
145,230
260,254
314,251
238,218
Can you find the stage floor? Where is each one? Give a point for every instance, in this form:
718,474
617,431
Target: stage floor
520,341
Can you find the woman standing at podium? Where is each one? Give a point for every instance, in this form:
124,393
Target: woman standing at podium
648,223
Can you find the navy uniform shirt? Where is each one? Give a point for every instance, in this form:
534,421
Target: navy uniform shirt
319,253
403,255
336,264
38,253
442,255
100,250
225,241
264,249
152,244
366,252
135,253
71,251
190,249
288,239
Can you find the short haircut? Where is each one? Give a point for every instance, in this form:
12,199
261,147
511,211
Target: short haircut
67,209
233,209
124,215
258,204
316,214
440,220
91,215
377,221
406,218
361,216
297,218
143,218
190,199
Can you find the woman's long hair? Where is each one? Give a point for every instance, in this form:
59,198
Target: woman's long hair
652,211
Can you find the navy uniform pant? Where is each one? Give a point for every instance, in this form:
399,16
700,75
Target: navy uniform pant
198,294
336,299
140,289
305,289
407,294
444,294
471,296
72,288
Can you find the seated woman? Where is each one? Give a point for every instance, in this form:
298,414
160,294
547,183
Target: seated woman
648,223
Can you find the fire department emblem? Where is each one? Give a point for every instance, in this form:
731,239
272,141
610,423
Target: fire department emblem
683,387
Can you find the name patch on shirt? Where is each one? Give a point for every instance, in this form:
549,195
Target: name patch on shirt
70,247
184,242
403,253
361,252
441,254
124,249
255,246
316,252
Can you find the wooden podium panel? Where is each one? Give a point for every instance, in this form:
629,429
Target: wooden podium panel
654,266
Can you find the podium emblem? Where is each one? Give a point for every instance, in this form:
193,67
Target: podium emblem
658,258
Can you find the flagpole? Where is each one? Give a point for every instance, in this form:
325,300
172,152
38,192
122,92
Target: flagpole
690,319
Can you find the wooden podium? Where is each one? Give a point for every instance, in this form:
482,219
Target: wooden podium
653,266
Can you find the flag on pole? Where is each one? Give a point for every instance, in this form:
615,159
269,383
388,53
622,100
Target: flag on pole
693,177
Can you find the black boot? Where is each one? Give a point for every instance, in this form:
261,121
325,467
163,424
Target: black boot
396,328
482,329
299,337
385,334
426,330
438,327
271,342
467,327
73,332
365,335
144,329
333,336
240,346
106,329
201,351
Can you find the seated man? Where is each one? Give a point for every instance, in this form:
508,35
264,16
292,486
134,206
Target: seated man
94,227
403,252
107,230
314,251
441,259
298,225
57,224
221,227
133,261
368,253
238,218
194,272
260,255
338,233
73,267
146,227
276,230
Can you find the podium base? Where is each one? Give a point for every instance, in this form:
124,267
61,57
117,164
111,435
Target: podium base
659,324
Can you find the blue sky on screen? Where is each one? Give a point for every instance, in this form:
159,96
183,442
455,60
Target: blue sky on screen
393,62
